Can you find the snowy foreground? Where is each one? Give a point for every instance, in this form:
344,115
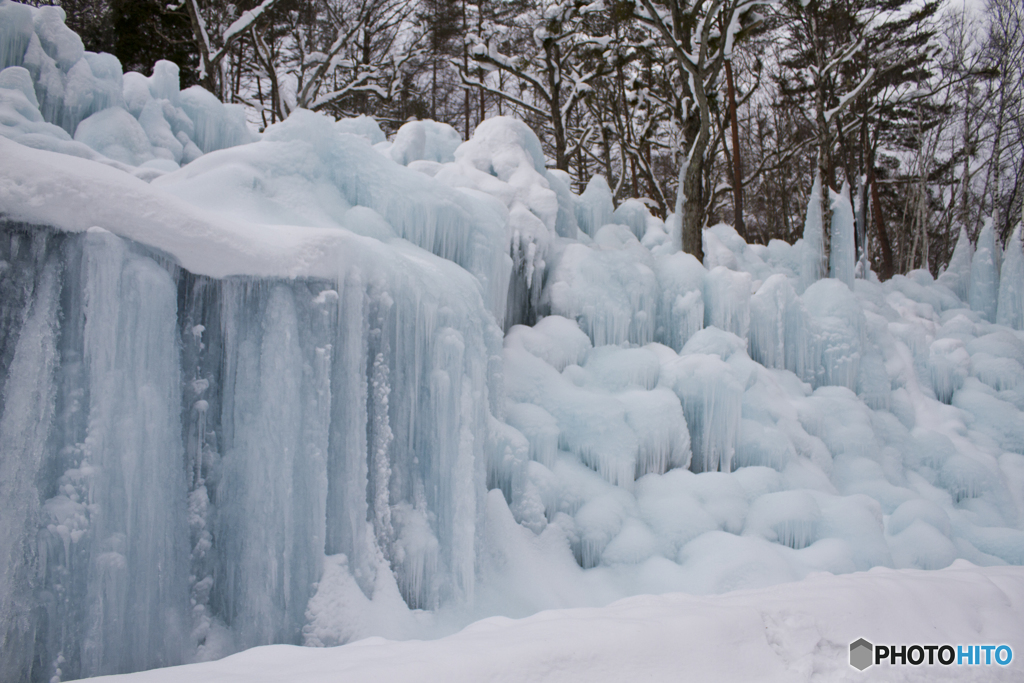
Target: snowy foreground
313,386
791,632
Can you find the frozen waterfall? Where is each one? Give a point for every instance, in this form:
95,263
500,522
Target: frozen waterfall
313,385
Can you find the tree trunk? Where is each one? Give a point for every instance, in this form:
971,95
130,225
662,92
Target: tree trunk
465,68
737,171
210,80
824,143
690,205
690,202
876,210
825,172
553,54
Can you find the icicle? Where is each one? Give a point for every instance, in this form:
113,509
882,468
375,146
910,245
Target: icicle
949,365
15,33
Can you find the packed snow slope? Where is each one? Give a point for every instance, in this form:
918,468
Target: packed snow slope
313,385
791,633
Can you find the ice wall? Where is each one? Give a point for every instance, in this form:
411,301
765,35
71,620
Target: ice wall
311,417
110,555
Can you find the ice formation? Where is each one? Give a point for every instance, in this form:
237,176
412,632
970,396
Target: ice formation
843,253
281,388
1010,308
427,141
957,275
594,209
984,289
812,263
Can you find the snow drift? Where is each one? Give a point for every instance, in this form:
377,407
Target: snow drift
791,632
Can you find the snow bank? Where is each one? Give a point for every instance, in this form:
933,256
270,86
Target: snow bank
792,632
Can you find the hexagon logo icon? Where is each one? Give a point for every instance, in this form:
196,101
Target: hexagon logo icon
861,654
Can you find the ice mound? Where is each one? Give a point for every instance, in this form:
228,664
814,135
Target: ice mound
363,126
609,287
504,160
634,215
595,208
428,141
128,118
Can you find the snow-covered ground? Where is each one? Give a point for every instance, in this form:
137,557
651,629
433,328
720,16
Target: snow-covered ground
792,632
313,386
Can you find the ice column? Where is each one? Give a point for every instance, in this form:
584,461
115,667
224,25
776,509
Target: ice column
681,302
984,295
1011,284
949,365
813,261
595,206
957,275
347,468
843,252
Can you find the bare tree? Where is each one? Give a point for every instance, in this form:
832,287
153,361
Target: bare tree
552,74
693,34
213,48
